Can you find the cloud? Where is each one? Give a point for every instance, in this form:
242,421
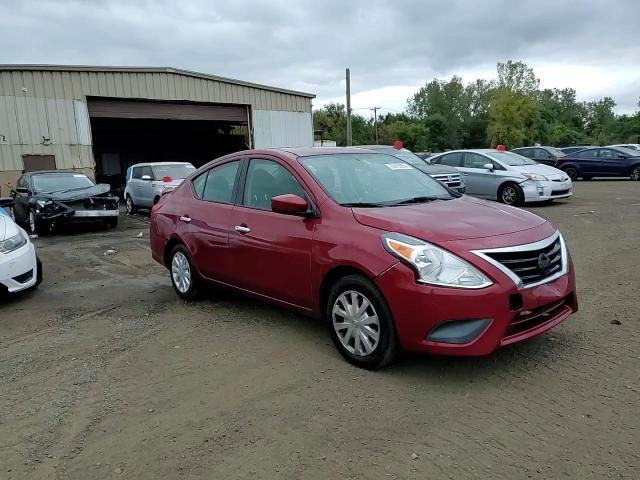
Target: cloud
391,47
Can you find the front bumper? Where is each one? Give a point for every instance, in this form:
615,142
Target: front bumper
512,314
547,190
15,267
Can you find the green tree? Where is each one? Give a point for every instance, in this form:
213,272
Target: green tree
511,118
517,77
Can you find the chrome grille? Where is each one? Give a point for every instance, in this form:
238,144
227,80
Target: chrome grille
451,180
530,264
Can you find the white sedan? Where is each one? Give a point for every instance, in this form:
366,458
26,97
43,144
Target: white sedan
20,268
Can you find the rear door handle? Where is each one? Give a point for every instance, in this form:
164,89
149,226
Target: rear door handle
242,229
185,219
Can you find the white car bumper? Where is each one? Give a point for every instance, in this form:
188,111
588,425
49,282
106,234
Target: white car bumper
15,267
543,191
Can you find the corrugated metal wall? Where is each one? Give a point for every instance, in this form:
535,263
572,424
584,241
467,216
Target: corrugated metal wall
282,129
165,86
45,111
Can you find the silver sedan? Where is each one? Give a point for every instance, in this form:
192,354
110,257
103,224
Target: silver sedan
507,177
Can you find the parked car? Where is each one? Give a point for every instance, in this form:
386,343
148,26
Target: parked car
629,146
573,149
20,268
546,155
147,182
447,175
385,254
602,162
506,176
53,197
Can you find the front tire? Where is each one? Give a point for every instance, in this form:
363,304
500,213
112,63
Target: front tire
129,205
635,173
36,227
360,323
184,278
511,194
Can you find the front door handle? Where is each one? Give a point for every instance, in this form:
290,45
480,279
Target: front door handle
185,219
242,229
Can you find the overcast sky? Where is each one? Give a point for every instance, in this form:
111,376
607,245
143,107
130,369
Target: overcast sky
391,47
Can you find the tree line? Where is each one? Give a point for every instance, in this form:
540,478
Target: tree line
510,109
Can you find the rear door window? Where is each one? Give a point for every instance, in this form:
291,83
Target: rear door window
451,159
587,154
473,160
220,183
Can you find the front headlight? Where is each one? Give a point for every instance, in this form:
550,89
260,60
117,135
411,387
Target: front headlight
432,264
535,177
13,243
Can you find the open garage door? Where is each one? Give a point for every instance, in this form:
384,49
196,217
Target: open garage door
126,132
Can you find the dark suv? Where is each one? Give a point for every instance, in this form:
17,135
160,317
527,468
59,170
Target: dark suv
449,176
546,155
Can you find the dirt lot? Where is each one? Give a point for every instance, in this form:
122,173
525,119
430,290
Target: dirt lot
105,373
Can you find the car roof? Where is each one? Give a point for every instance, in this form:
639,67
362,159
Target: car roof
149,164
312,151
67,172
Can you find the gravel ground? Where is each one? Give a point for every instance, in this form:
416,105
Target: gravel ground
105,373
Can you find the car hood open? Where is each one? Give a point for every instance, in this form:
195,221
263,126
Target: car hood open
445,220
100,189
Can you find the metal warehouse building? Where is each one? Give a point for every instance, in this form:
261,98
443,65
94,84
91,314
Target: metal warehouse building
103,119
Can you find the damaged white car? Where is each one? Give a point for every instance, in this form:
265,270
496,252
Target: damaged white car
20,268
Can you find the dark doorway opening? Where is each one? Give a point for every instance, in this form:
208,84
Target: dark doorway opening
119,143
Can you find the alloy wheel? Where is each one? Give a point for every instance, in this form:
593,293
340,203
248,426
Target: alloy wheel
356,323
181,272
509,195
572,173
635,174
129,205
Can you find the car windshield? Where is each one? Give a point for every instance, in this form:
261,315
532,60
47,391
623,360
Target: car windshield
61,182
628,151
407,155
175,171
372,179
511,159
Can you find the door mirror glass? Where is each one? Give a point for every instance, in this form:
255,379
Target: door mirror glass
289,204
488,166
146,178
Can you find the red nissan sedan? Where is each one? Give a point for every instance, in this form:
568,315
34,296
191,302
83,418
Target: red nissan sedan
389,257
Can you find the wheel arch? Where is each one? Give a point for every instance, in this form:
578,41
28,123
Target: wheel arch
169,246
331,277
505,182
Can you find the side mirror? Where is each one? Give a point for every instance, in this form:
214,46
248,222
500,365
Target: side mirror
289,204
6,202
488,166
24,191
146,178
13,193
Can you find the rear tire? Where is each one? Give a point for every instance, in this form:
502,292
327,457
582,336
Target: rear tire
511,194
360,323
130,206
635,173
572,173
184,278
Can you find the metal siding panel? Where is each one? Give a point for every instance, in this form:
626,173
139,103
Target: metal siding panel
280,128
9,120
83,123
118,84
103,90
217,92
94,79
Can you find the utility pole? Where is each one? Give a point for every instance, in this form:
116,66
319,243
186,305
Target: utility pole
349,136
375,120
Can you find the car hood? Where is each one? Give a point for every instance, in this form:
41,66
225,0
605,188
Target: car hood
445,220
538,168
436,169
100,189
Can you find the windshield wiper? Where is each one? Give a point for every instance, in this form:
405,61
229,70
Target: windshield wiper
363,205
422,199
65,190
